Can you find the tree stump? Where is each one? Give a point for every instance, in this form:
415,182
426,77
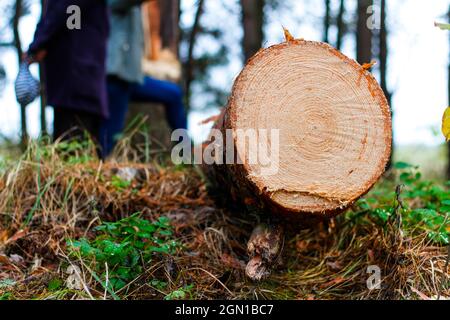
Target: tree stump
334,126
157,130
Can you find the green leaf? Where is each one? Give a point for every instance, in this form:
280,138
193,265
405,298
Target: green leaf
402,165
54,284
6,296
176,295
442,26
125,246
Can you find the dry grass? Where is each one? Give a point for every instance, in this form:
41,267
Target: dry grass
46,198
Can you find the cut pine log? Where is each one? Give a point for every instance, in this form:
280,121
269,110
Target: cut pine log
334,127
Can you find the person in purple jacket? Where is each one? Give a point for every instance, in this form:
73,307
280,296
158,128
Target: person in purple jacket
74,63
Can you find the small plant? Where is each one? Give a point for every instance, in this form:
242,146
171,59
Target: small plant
6,283
119,183
75,152
180,294
425,205
124,247
158,284
6,296
54,284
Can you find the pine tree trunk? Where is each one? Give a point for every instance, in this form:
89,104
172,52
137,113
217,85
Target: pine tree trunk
384,51
384,58
340,25
252,21
327,21
189,65
43,98
18,45
334,132
170,31
363,33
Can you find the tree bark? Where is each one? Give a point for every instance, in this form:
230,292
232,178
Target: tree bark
189,66
252,22
333,139
383,50
18,45
170,31
18,9
264,248
340,25
152,30
363,33
327,21
43,99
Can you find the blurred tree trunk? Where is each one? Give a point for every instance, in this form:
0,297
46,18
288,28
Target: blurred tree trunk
17,43
363,33
43,118
327,21
18,10
448,143
384,51
252,22
383,56
189,65
169,25
340,25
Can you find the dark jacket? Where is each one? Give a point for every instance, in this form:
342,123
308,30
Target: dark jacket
75,64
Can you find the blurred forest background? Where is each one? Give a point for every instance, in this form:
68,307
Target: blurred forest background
214,38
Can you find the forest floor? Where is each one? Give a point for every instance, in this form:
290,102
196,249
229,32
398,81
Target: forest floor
72,227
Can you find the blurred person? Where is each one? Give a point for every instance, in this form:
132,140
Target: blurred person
126,80
74,62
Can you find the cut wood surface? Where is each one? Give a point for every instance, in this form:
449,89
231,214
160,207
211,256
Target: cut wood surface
334,127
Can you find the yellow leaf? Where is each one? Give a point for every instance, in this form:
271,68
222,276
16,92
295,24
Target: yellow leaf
442,26
287,35
446,124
